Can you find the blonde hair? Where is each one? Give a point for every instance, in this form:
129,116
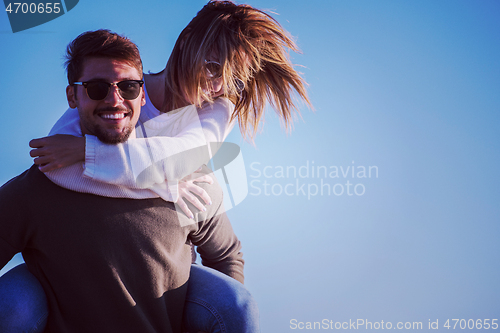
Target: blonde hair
250,46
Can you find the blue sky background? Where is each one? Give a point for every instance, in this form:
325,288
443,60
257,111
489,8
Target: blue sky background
409,87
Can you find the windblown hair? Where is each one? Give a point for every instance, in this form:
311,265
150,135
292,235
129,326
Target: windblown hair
99,44
252,47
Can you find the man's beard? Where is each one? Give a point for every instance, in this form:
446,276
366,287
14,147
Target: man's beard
108,138
102,133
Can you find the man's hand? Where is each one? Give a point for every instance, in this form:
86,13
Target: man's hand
189,191
57,151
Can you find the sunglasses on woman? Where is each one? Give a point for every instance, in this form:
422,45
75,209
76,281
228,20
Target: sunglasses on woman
99,90
214,71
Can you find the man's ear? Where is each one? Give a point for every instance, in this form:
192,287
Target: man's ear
143,97
70,95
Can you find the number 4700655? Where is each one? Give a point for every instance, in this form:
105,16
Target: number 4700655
25,8
472,324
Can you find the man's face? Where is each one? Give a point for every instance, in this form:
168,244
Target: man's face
113,118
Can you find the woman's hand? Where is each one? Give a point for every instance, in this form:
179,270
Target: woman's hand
57,151
189,191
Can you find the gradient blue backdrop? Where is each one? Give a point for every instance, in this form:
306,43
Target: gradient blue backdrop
411,87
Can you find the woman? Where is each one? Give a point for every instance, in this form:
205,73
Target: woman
227,62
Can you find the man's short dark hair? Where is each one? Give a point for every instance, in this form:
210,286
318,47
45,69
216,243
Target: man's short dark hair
100,44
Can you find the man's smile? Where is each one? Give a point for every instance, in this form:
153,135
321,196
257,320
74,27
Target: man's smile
113,115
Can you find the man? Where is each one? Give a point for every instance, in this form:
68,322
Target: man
109,264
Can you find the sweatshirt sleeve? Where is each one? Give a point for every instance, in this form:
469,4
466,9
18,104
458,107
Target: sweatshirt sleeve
215,239
219,247
13,232
143,162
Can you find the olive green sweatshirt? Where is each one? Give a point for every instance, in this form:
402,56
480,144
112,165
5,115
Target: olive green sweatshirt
110,264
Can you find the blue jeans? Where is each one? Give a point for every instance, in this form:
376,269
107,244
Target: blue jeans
214,303
23,305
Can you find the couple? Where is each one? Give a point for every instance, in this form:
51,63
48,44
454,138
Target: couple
109,264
